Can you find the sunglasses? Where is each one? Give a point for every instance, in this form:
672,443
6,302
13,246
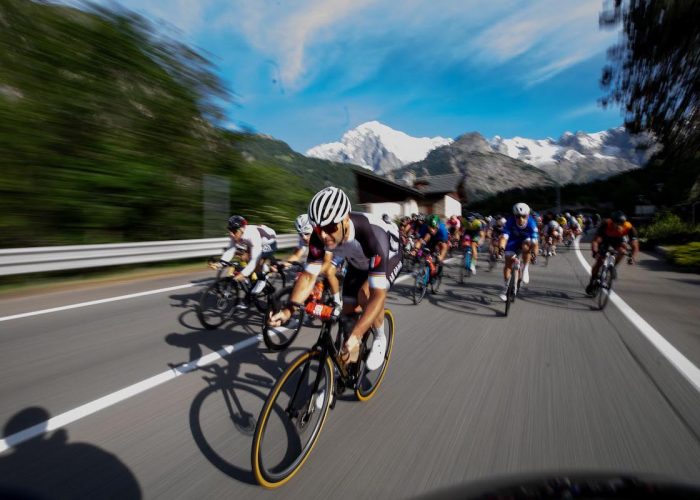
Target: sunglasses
519,216
330,228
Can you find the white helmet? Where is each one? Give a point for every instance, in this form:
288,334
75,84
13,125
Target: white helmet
553,224
303,225
521,209
330,205
502,221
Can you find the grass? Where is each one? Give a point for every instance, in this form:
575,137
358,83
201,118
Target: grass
669,229
686,256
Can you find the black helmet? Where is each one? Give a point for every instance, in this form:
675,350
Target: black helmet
235,222
618,217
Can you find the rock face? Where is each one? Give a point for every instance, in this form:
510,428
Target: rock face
487,172
377,147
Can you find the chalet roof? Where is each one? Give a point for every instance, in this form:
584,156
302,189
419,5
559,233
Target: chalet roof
436,184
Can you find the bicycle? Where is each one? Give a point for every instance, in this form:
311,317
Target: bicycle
297,406
466,268
425,276
602,285
219,301
514,283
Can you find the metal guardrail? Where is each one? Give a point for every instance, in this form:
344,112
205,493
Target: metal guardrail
60,258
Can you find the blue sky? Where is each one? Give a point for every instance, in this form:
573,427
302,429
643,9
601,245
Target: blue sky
305,71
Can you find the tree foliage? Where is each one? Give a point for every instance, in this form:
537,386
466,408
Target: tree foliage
107,127
654,72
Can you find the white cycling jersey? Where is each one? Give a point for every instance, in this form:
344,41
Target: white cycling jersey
256,240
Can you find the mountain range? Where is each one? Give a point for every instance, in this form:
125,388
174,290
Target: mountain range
574,157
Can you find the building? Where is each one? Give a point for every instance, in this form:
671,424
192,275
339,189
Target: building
440,194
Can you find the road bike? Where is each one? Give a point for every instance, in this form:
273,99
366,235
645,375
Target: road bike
426,275
514,283
220,300
293,415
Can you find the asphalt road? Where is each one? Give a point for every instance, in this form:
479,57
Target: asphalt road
554,387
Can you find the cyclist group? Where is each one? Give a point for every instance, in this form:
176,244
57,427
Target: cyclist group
373,247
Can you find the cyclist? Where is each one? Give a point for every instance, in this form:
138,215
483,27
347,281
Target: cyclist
259,242
496,232
373,253
475,230
434,234
552,231
305,229
519,235
612,233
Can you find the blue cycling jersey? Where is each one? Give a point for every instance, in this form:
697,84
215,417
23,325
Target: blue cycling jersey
441,235
513,232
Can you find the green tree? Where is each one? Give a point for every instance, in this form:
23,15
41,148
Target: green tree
654,72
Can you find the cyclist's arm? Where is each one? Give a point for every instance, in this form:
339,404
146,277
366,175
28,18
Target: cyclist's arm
253,236
229,252
328,270
596,243
297,255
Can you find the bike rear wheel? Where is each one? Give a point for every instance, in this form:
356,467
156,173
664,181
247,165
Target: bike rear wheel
369,381
217,302
279,338
291,419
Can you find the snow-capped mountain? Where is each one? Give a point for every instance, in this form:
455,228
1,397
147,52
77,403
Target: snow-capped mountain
581,157
377,147
578,157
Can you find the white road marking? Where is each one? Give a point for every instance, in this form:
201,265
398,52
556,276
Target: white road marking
673,355
116,397
95,302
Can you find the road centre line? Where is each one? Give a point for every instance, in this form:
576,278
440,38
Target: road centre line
96,302
673,355
92,407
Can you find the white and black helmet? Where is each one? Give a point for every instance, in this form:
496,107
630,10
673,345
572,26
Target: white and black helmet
521,209
303,224
330,205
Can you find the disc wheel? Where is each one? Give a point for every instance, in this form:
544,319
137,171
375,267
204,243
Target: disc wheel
291,419
278,338
217,302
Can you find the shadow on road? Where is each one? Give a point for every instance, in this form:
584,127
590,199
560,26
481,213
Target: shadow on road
235,397
48,466
562,299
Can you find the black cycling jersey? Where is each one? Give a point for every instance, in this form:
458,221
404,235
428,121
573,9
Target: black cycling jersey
372,249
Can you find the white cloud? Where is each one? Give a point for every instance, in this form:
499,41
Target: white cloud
549,35
541,37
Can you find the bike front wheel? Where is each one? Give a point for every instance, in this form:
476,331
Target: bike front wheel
421,284
291,419
217,302
368,381
606,281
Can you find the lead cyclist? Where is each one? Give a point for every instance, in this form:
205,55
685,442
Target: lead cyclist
372,250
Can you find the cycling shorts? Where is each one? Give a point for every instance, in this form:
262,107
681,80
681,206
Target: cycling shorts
356,278
515,245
